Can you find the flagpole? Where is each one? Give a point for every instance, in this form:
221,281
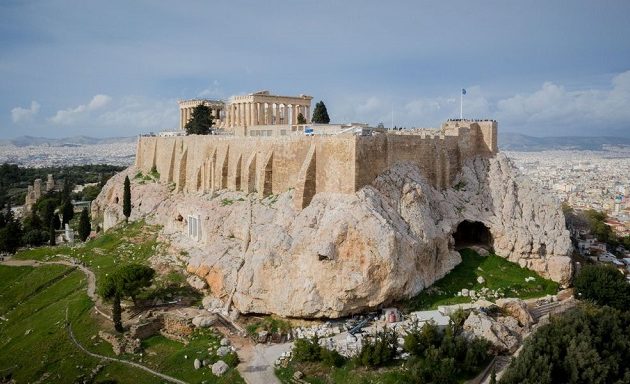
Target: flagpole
461,105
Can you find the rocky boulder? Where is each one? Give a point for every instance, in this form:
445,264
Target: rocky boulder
219,368
517,309
388,241
204,321
504,333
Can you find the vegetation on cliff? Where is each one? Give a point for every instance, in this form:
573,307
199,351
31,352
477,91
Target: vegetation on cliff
499,275
588,344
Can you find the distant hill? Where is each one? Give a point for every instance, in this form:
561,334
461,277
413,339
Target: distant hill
24,141
509,141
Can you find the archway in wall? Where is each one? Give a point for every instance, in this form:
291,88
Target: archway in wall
469,233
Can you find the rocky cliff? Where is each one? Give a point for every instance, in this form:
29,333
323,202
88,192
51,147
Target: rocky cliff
345,253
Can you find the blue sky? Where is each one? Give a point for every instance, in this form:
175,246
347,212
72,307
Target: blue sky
117,68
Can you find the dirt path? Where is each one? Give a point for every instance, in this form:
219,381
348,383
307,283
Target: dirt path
91,292
91,278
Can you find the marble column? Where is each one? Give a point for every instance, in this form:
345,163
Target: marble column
181,118
254,113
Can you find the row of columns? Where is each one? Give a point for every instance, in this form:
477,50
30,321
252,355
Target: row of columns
252,113
185,114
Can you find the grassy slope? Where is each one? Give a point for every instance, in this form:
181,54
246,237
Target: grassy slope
28,289
498,273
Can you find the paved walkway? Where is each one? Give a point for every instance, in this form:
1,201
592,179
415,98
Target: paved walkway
257,366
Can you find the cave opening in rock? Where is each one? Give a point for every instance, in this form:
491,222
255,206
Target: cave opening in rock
469,233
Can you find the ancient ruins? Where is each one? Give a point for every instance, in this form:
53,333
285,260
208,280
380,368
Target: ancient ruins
338,222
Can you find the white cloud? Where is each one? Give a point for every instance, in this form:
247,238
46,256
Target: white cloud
551,109
214,91
554,106
72,115
134,115
19,114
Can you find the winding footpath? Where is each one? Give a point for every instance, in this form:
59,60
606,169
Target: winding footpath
91,292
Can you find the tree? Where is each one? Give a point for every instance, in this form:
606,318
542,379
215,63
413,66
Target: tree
56,222
604,285
51,233
10,232
201,121
126,281
110,291
320,114
84,225
301,119
127,199
68,212
587,344
135,277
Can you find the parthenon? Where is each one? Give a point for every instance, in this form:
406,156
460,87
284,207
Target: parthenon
258,108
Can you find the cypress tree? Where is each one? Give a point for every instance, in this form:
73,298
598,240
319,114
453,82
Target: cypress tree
84,225
127,199
201,121
301,119
68,212
51,233
56,221
320,114
117,313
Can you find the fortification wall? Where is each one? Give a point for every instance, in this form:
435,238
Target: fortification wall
310,165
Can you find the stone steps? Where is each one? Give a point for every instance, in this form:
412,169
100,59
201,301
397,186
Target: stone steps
543,310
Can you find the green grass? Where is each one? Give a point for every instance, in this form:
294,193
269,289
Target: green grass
34,341
132,243
498,273
36,298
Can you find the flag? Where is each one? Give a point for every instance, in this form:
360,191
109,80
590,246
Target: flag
463,91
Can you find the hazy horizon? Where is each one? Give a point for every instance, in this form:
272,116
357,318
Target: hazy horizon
116,69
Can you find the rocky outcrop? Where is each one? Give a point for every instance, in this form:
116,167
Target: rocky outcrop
345,253
503,333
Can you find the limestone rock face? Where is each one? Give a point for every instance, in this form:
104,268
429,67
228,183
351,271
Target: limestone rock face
346,253
503,333
518,310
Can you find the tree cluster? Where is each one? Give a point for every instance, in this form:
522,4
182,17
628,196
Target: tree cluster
14,180
587,344
201,122
443,357
10,231
126,282
603,285
310,351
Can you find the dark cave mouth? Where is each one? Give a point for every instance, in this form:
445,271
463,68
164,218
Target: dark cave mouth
470,233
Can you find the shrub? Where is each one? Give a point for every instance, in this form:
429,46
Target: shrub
307,350
231,359
603,285
331,357
378,351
